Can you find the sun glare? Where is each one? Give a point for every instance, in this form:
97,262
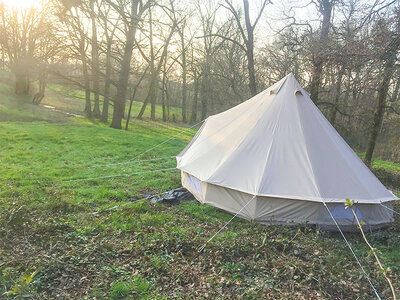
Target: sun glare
21,3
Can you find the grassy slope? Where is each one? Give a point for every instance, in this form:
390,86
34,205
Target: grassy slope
72,100
143,250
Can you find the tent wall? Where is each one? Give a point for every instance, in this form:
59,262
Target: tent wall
286,211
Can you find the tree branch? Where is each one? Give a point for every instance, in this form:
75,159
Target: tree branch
225,38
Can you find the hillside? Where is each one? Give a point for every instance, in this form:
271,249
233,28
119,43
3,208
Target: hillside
86,246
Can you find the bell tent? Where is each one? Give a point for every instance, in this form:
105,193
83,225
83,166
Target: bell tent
276,159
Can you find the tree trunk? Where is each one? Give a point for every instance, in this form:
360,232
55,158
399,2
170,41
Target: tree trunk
163,91
21,83
326,10
42,87
395,93
155,71
382,94
250,49
152,97
88,104
184,97
205,88
122,86
193,118
119,102
167,98
107,84
149,98
95,63
184,74
333,113
250,67
143,108
133,98
378,117
316,80
355,88
153,103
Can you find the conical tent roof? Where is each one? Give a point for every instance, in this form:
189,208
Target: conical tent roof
278,144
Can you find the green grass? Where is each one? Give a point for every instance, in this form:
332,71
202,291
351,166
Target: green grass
381,164
15,107
144,250
73,100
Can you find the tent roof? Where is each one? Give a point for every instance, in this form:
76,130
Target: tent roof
279,144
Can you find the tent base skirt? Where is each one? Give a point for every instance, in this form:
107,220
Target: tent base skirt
268,210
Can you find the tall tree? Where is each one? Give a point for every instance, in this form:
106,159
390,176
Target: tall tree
319,57
183,64
95,60
180,18
109,28
77,42
389,58
247,33
131,18
208,14
156,62
49,48
196,83
20,31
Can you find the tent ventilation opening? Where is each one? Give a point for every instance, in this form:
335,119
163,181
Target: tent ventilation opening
298,93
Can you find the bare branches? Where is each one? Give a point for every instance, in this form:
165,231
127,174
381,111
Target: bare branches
373,11
264,4
225,38
237,18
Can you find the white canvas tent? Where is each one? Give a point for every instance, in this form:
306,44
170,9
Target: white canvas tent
276,159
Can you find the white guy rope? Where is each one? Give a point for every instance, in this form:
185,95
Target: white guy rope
127,162
118,175
392,210
352,251
156,146
226,224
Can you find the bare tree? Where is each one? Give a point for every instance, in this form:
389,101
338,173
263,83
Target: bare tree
247,34
21,29
180,18
95,59
389,57
208,14
325,8
109,28
196,84
77,42
48,47
130,15
154,66
183,64
135,89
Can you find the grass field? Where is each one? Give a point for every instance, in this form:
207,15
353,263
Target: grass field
72,100
82,249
